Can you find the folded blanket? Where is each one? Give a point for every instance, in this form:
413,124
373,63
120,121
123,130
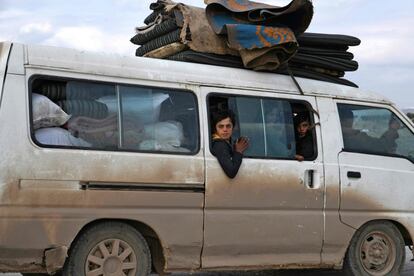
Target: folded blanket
263,34
245,34
260,36
154,31
89,125
87,108
224,14
159,42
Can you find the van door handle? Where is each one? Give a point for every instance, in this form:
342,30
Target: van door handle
309,179
351,174
312,179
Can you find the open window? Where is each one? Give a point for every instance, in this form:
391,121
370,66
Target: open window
269,123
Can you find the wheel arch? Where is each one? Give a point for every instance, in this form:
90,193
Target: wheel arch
403,230
150,235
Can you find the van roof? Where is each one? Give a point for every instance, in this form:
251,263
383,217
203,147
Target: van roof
186,73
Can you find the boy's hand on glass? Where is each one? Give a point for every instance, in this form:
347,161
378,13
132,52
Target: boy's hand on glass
241,145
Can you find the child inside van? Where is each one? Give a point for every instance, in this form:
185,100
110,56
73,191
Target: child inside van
304,141
229,156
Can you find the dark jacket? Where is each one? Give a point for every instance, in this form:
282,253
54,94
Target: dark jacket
229,159
304,146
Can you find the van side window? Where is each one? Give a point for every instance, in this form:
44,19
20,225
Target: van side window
159,119
375,130
267,122
90,115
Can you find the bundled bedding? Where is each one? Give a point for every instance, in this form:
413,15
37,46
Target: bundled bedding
246,34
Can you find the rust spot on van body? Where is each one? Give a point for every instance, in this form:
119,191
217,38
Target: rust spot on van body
55,258
21,260
26,260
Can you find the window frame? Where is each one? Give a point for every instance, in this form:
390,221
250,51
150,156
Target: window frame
396,113
116,86
303,102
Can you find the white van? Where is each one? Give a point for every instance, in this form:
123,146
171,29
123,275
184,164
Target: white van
106,169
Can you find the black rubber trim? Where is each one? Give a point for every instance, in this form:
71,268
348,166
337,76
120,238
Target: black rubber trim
161,29
325,52
207,58
235,62
299,72
331,63
328,40
195,188
159,42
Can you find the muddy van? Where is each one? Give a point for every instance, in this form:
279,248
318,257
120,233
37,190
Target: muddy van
106,169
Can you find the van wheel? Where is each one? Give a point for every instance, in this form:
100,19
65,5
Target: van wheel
377,249
110,248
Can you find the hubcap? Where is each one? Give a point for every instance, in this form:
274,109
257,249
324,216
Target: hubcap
112,257
378,253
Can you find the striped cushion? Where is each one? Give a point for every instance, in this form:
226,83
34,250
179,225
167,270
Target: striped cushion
91,109
144,36
158,42
53,90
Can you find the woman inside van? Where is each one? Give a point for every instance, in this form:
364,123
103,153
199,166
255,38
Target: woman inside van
229,155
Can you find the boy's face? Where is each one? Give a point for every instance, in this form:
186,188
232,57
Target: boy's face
302,128
224,129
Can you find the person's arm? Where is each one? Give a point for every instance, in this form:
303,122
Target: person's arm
299,157
222,152
308,150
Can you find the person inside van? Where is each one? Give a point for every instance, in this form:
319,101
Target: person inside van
354,139
390,136
229,155
304,141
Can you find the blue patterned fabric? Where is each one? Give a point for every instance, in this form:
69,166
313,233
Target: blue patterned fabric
297,15
251,25
256,36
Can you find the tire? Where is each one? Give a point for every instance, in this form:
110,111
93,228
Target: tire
376,249
110,248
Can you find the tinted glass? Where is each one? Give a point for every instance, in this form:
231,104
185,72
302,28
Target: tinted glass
375,130
268,123
108,116
74,114
158,120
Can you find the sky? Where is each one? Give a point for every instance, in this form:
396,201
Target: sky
385,56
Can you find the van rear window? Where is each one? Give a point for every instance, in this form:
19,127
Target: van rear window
102,116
